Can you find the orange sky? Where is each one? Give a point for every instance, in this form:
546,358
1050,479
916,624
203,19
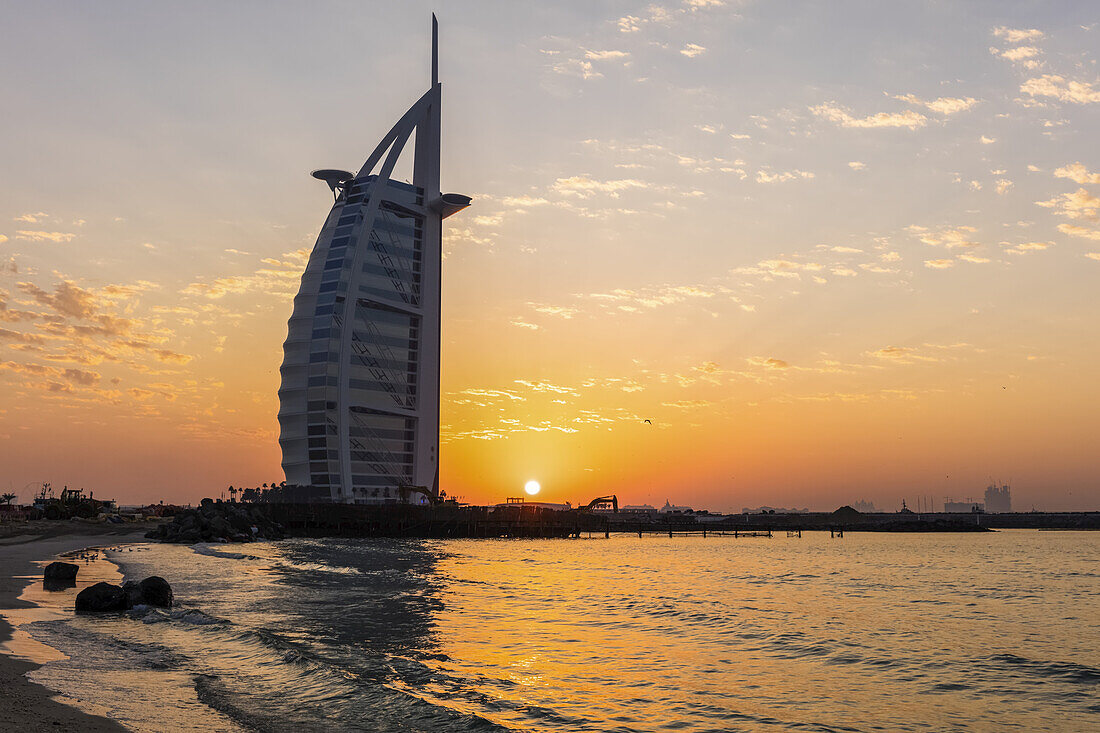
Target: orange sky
828,260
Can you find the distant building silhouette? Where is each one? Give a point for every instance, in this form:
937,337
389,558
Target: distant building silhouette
670,508
998,499
773,510
963,507
865,507
359,400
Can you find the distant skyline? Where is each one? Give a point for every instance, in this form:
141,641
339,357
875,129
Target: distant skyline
830,252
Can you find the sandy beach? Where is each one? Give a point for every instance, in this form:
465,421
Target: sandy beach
29,706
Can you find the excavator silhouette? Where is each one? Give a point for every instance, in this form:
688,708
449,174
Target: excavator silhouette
611,499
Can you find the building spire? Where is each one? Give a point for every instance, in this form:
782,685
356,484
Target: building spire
435,50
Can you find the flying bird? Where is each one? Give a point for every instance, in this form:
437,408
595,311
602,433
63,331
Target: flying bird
650,422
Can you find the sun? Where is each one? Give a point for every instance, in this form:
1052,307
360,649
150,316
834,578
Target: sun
532,487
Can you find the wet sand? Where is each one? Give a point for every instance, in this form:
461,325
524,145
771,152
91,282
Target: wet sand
30,707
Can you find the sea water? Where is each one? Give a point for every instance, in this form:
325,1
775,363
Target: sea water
889,632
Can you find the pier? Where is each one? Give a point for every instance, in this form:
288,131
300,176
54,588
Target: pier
221,521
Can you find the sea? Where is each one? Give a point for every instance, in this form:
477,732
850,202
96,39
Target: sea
994,631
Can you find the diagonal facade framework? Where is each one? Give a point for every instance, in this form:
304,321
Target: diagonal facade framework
359,400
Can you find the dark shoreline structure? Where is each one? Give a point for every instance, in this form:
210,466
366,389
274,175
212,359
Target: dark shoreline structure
216,521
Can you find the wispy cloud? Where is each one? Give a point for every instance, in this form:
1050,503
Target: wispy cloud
943,105
1057,87
842,116
1017,35
583,186
767,176
947,237
1077,173
43,236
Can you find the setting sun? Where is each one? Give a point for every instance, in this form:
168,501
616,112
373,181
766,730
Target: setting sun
532,487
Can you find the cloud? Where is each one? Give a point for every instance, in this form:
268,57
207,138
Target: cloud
692,50
987,140
1003,184
856,165
576,67
1079,231
524,324
1093,255
280,279
903,354
780,268
843,117
75,376
768,363
1077,205
68,299
1052,85
1025,247
1019,53
939,264
1077,173
629,24
488,221
32,218
687,404
20,337
41,236
554,310
605,55
547,387
1016,35
583,187
524,201
764,176
950,238
945,106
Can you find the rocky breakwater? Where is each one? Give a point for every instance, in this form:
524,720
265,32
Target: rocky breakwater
219,522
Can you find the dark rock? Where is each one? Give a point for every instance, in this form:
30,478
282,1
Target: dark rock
155,591
133,592
60,572
102,597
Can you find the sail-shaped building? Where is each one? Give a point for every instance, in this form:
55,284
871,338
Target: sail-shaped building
359,399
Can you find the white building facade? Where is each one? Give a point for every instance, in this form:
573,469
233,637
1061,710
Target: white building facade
359,399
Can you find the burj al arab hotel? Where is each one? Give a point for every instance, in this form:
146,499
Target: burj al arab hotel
359,400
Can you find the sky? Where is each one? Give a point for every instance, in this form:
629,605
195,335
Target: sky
829,251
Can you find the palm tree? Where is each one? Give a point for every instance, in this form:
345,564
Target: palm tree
7,498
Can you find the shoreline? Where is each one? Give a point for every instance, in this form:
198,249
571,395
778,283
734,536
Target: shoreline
31,707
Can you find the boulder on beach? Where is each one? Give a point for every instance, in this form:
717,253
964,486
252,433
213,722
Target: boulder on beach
102,597
133,592
155,591
59,575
